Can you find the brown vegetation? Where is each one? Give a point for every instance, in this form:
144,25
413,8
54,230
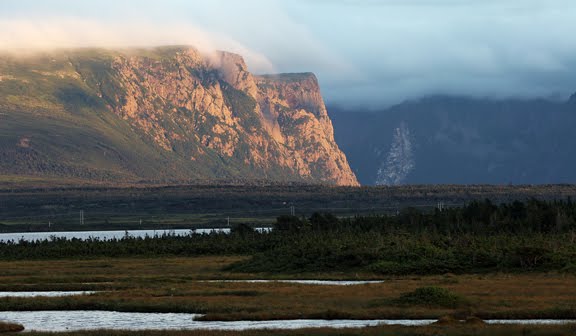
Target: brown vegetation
459,330
171,285
7,327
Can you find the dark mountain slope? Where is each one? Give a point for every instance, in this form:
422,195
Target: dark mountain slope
461,140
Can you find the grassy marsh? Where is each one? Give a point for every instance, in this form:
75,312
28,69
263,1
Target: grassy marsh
491,330
171,285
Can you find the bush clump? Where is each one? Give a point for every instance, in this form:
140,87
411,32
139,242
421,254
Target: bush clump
6,327
432,297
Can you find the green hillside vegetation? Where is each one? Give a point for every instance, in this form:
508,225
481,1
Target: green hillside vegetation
55,124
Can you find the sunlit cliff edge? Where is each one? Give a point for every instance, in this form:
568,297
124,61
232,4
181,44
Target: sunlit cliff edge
162,114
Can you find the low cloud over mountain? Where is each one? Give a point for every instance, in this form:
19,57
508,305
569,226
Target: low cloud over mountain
364,52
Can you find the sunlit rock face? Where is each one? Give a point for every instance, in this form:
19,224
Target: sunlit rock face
169,113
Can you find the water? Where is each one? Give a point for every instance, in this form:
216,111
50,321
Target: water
45,294
54,321
103,235
90,320
108,235
308,282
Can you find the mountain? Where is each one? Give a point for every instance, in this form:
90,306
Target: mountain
459,140
165,114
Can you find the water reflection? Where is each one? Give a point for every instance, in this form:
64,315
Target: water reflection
107,235
91,320
45,294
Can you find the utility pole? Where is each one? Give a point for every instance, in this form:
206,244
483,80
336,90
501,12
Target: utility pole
441,206
228,221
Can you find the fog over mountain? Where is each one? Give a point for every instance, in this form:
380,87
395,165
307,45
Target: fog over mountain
366,52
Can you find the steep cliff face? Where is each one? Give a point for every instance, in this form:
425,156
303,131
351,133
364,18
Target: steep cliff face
293,109
203,116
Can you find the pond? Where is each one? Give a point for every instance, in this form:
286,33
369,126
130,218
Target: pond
54,321
91,320
106,235
45,294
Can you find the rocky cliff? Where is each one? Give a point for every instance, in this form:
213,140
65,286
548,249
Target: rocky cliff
295,115
163,114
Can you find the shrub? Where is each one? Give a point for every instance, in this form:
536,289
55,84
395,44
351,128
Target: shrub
289,224
569,269
242,229
432,297
6,327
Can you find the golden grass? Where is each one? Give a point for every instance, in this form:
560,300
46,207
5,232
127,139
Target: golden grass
170,285
109,273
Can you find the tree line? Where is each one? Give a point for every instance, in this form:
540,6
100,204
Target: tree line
479,237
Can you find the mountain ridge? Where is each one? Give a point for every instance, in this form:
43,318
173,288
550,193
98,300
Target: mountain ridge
461,140
168,113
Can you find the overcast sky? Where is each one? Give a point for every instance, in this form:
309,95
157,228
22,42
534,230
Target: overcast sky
370,52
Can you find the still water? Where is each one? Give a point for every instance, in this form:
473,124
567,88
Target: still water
44,294
102,235
91,320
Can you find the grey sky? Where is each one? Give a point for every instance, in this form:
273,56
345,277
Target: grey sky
363,51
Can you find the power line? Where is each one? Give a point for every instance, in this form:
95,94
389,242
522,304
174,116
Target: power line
393,209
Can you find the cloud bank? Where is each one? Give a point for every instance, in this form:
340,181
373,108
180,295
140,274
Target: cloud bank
409,48
370,52
28,35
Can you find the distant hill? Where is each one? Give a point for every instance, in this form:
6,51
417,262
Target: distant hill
458,140
166,114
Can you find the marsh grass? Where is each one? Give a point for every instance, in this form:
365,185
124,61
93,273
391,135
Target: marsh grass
172,285
458,330
8,327
432,297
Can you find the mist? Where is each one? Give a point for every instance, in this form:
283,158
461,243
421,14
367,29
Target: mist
25,37
364,52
